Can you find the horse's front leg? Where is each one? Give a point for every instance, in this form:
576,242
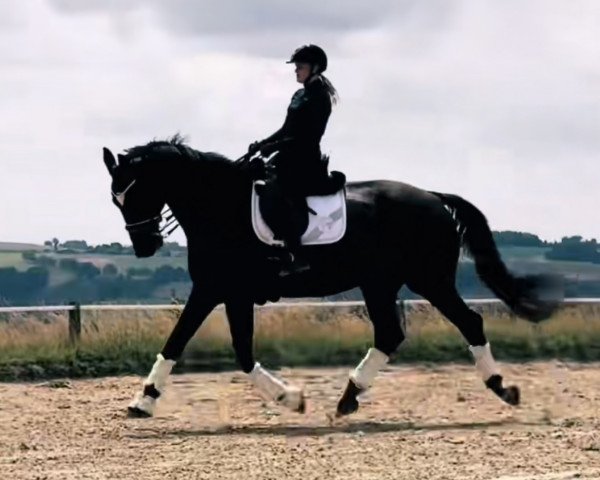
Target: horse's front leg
240,314
389,334
199,305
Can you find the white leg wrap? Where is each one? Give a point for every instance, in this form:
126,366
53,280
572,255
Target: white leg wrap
274,388
158,377
484,362
363,375
160,372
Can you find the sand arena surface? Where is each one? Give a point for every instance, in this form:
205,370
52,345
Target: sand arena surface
417,423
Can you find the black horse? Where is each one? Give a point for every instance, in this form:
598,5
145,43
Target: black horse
396,235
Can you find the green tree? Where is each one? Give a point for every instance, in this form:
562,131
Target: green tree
75,245
575,249
68,264
87,270
517,239
139,272
110,270
29,256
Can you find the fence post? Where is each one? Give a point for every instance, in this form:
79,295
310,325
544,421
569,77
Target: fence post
74,323
400,308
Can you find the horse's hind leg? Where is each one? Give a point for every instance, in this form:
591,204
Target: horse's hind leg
447,300
389,333
240,314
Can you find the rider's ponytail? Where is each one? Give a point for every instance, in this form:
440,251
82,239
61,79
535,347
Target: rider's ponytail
333,94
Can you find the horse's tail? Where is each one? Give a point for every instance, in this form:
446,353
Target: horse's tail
525,296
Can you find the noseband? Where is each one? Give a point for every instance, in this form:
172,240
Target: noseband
152,225
144,226
149,226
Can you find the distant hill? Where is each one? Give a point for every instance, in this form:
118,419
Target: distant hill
29,274
19,247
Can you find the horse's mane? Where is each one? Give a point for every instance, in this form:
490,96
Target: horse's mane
179,143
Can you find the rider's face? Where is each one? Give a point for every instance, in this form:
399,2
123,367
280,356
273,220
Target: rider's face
302,72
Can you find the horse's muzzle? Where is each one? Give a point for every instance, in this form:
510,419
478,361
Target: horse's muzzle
146,245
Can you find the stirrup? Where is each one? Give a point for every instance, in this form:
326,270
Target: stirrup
291,266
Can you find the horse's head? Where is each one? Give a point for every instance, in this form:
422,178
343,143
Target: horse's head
136,191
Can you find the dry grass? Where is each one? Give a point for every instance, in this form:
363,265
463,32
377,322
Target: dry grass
127,341
26,336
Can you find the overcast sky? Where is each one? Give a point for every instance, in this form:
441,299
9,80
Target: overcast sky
495,100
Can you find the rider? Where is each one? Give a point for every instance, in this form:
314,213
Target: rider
299,164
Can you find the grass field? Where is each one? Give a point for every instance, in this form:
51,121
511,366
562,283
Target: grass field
19,247
126,342
13,259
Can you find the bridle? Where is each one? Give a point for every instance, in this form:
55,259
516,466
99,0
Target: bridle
152,224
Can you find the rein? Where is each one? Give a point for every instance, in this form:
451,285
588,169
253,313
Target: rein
170,225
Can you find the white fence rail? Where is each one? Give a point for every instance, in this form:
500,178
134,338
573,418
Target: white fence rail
74,309
353,303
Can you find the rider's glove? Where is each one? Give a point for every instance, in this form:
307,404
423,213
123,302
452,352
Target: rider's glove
253,148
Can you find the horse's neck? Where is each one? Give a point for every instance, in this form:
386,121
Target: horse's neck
207,199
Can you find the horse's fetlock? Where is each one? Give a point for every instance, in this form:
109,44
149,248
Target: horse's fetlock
151,391
494,383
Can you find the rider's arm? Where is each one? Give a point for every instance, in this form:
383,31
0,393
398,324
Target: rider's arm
284,131
307,132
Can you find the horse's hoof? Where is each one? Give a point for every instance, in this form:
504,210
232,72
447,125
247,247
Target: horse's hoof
135,412
512,395
302,406
142,406
348,404
293,399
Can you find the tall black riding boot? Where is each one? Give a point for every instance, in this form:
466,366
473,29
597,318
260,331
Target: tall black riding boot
293,262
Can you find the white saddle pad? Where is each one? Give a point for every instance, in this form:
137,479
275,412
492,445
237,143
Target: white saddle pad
327,226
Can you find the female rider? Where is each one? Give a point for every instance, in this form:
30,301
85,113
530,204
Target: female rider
299,164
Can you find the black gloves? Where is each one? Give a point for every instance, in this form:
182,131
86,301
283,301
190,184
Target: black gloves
253,148
265,149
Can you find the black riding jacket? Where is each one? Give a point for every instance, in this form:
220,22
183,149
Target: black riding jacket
300,136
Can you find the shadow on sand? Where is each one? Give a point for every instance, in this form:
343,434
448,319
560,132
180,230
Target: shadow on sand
320,430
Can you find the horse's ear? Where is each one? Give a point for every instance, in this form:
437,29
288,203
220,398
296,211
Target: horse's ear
109,160
120,159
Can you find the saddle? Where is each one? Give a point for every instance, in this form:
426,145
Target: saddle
318,216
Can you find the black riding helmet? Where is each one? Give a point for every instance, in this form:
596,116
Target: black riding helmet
312,54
